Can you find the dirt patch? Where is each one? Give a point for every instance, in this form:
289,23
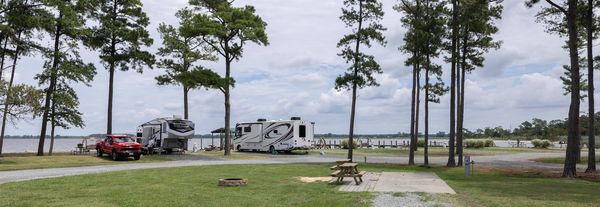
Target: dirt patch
313,179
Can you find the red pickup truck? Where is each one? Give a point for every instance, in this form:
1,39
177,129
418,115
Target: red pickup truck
119,146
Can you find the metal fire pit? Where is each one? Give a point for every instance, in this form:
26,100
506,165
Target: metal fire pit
232,182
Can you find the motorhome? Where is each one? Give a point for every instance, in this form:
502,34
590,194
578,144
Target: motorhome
277,135
165,135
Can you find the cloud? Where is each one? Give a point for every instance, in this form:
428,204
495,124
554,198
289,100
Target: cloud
295,74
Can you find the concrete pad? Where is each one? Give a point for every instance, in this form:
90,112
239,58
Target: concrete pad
400,182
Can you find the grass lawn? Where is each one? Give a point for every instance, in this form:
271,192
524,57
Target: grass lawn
30,161
433,152
276,185
561,160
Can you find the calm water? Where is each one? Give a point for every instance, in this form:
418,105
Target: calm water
67,145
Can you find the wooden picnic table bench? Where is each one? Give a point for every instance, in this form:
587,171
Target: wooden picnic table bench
348,170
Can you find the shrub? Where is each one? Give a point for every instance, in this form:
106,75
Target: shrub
421,143
538,143
345,144
478,143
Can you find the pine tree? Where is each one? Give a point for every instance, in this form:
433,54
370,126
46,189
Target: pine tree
364,17
64,65
180,51
569,10
476,19
227,29
120,36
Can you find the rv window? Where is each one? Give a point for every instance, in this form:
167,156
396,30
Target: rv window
238,131
302,131
247,129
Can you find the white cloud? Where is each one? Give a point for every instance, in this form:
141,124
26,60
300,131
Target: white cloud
294,76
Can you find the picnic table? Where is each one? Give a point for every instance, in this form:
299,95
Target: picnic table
348,169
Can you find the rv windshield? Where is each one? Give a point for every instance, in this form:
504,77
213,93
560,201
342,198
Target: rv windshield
181,125
123,139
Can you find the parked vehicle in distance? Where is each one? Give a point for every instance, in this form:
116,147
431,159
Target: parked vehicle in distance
165,135
277,135
119,146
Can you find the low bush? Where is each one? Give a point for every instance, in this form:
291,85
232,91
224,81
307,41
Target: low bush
345,144
538,143
421,143
478,143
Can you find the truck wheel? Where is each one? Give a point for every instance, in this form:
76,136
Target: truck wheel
136,157
114,155
99,152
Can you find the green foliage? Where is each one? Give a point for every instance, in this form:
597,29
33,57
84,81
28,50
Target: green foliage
345,144
180,51
24,101
120,34
226,29
476,20
363,16
478,143
64,66
537,143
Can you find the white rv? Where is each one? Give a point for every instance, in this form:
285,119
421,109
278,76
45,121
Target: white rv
282,135
165,134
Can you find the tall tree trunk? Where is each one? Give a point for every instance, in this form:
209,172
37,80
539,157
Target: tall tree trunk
50,90
426,146
185,103
227,107
111,70
8,97
411,155
2,59
461,96
570,166
451,158
53,126
354,86
417,109
591,121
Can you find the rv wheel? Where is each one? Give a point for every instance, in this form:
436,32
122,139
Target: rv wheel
272,150
239,148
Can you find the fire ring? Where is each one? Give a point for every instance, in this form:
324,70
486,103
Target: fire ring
232,182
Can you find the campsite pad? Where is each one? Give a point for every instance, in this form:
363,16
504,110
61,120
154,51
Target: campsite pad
399,182
313,179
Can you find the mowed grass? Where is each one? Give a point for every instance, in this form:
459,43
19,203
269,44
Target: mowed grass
433,152
276,185
30,161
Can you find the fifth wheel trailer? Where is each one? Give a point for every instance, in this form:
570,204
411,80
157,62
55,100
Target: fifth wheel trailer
165,134
277,135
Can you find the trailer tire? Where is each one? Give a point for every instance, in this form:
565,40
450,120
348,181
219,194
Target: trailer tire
136,157
239,148
114,155
99,152
272,150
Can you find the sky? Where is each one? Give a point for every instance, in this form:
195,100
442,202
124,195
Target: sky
294,76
